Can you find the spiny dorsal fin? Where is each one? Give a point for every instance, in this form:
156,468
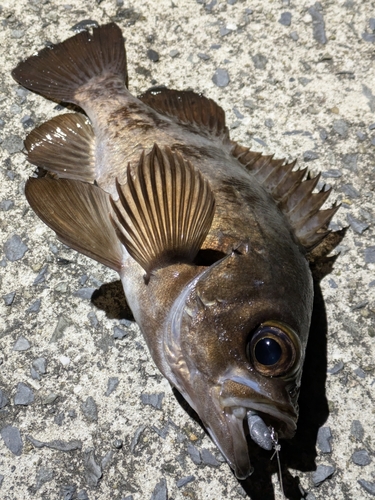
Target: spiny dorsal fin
79,215
164,211
293,195
59,71
64,146
188,107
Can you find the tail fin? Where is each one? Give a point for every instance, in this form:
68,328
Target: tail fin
58,72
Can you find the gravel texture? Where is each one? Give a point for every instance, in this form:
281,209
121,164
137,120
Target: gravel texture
296,79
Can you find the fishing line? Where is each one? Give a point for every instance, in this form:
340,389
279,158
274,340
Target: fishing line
277,448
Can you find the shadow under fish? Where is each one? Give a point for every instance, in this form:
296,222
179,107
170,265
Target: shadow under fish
212,241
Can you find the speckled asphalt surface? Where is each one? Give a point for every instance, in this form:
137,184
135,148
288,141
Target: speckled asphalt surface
83,411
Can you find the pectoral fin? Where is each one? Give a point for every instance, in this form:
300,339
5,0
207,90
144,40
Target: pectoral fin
79,213
164,211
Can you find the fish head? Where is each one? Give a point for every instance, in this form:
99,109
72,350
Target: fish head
235,344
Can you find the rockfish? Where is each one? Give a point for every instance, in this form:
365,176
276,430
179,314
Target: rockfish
209,238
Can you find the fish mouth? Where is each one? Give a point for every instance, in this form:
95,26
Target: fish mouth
263,420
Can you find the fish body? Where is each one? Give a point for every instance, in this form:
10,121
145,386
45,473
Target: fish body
209,238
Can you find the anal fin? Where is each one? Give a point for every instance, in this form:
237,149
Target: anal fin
64,146
79,213
164,211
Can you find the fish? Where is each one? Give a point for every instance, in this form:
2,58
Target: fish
210,239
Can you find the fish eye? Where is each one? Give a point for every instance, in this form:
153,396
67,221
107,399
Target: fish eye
273,349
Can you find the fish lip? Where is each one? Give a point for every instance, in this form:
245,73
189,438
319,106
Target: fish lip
286,415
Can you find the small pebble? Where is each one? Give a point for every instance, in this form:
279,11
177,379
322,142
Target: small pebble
184,481
136,437
322,473
40,365
336,368
13,144
360,373
41,276
15,248
269,123
194,454
118,444
160,490
154,400
12,439
356,430
112,385
318,24
60,328
208,458
21,344
84,25
324,438
93,471
50,398
221,77
367,486
285,19
341,127
59,418
224,31
349,191
35,306
82,495
107,459
90,409
68,492
84,293
369,254
3,399
119,333
332,283
357,225
361,136
24,395
368,37
332,173
349,161
174,53
294,36
6,205
44,475
153,55
310,156
260,61
361,457
8,298
203,56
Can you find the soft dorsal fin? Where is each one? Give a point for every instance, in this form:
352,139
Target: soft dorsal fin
64,146
164,211
79,213
189,108
58,72
293,195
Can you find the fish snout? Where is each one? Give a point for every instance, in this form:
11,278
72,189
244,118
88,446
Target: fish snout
242,411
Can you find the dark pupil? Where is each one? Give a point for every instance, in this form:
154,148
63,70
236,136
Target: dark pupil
267,351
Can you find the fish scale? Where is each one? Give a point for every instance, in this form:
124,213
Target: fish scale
210,239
